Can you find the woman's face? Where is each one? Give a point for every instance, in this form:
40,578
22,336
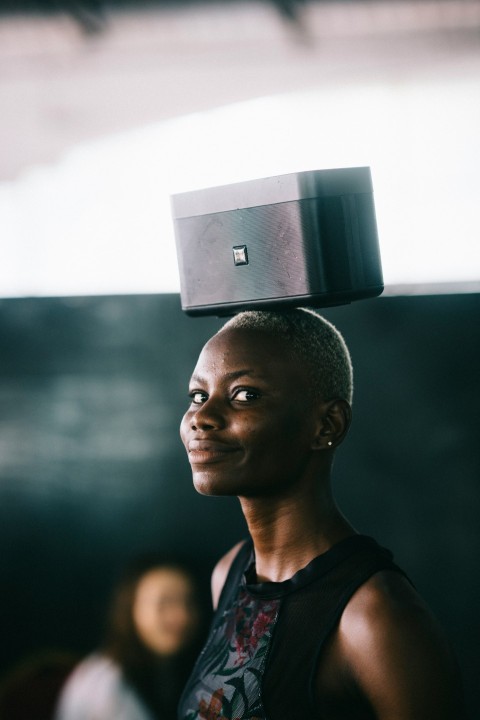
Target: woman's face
249,427
163,612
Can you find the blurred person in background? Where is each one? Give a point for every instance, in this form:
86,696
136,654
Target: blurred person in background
150,642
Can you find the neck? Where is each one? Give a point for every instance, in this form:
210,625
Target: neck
288,532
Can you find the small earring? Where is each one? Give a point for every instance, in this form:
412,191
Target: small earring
329,442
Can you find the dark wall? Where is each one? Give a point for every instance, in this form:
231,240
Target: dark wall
92,470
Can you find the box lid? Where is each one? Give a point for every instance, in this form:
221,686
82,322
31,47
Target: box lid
272,190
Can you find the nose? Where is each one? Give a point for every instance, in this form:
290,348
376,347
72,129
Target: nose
207,416
180,615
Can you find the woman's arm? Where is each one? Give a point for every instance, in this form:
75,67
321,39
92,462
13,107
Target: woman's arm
394,654
220,572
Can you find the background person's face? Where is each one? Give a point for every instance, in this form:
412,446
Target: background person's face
163,612
248,430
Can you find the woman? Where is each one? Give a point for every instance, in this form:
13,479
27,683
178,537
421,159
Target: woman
141,669
314,620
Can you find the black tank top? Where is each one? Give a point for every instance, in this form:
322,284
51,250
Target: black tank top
264,645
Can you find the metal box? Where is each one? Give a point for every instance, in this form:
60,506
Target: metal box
303,239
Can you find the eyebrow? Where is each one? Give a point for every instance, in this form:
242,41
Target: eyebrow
231,375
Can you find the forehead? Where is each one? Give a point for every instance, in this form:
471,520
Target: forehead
159,582
258,351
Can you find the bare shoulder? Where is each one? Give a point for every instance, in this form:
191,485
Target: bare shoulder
386,598
220,572
396,652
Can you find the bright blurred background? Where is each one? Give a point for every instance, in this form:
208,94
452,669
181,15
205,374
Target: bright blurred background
108,108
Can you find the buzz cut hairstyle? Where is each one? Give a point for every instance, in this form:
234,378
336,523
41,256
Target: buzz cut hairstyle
313,340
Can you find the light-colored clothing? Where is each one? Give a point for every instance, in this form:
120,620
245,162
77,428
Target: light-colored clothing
96,690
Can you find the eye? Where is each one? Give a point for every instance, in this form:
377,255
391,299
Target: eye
197,397
245,395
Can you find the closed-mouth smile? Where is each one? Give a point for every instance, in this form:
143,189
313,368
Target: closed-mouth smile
208,451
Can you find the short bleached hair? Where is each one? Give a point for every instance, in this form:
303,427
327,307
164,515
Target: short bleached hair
313,340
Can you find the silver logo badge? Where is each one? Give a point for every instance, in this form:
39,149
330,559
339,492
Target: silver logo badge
240,256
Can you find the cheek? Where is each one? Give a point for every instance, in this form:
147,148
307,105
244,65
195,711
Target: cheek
262,434
280,440
184,425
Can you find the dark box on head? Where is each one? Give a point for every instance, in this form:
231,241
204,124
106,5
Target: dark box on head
303,239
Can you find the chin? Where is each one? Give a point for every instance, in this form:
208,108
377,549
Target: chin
208,483
206,486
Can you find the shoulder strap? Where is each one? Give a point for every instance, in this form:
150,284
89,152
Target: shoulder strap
307,618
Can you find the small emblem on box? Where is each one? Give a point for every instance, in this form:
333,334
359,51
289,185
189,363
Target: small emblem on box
240,256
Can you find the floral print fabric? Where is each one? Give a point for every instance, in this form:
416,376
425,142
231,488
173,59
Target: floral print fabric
226,684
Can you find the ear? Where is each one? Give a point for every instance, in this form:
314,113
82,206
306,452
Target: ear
334,418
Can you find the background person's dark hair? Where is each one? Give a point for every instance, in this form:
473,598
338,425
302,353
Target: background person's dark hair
158,679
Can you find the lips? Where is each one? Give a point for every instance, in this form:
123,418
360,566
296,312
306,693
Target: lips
209,451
